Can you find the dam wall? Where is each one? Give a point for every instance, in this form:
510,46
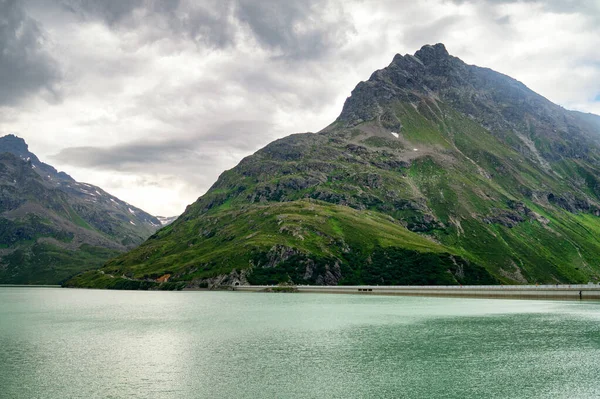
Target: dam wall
573,291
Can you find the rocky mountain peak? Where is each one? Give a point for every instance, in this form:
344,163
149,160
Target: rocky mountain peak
431,54
432,77
408,78
17,146
14,144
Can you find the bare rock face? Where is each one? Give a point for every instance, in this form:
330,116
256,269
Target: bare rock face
232,279
332,276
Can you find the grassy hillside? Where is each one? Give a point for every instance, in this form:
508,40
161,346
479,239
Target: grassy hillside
305,241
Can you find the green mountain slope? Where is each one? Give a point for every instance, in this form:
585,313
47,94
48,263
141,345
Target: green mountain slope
52,227
435,172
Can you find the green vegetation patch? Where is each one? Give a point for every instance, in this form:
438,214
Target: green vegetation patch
236,239
96,279
42,263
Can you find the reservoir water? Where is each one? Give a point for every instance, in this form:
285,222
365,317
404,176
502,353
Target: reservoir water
61,343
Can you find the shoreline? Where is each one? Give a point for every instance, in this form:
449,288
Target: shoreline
557,292
29,285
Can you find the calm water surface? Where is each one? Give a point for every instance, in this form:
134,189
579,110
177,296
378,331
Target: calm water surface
60,343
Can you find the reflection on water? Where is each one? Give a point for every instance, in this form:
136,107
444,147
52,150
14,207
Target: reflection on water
58,343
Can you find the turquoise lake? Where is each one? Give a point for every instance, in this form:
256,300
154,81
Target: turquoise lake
61,343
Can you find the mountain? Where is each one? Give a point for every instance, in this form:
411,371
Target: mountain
52,227
435,172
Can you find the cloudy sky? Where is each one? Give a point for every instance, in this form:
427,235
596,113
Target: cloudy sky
152,99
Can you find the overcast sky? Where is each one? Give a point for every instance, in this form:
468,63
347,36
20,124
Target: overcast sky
151,100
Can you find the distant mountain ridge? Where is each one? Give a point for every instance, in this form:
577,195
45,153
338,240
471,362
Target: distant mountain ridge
17,146
166,220
53,226
435,172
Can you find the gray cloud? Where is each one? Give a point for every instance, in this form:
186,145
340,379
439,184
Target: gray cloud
25,66
125,156
293,29
296,28
205,22
589,7
183,167
111,11
180,156
435,31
